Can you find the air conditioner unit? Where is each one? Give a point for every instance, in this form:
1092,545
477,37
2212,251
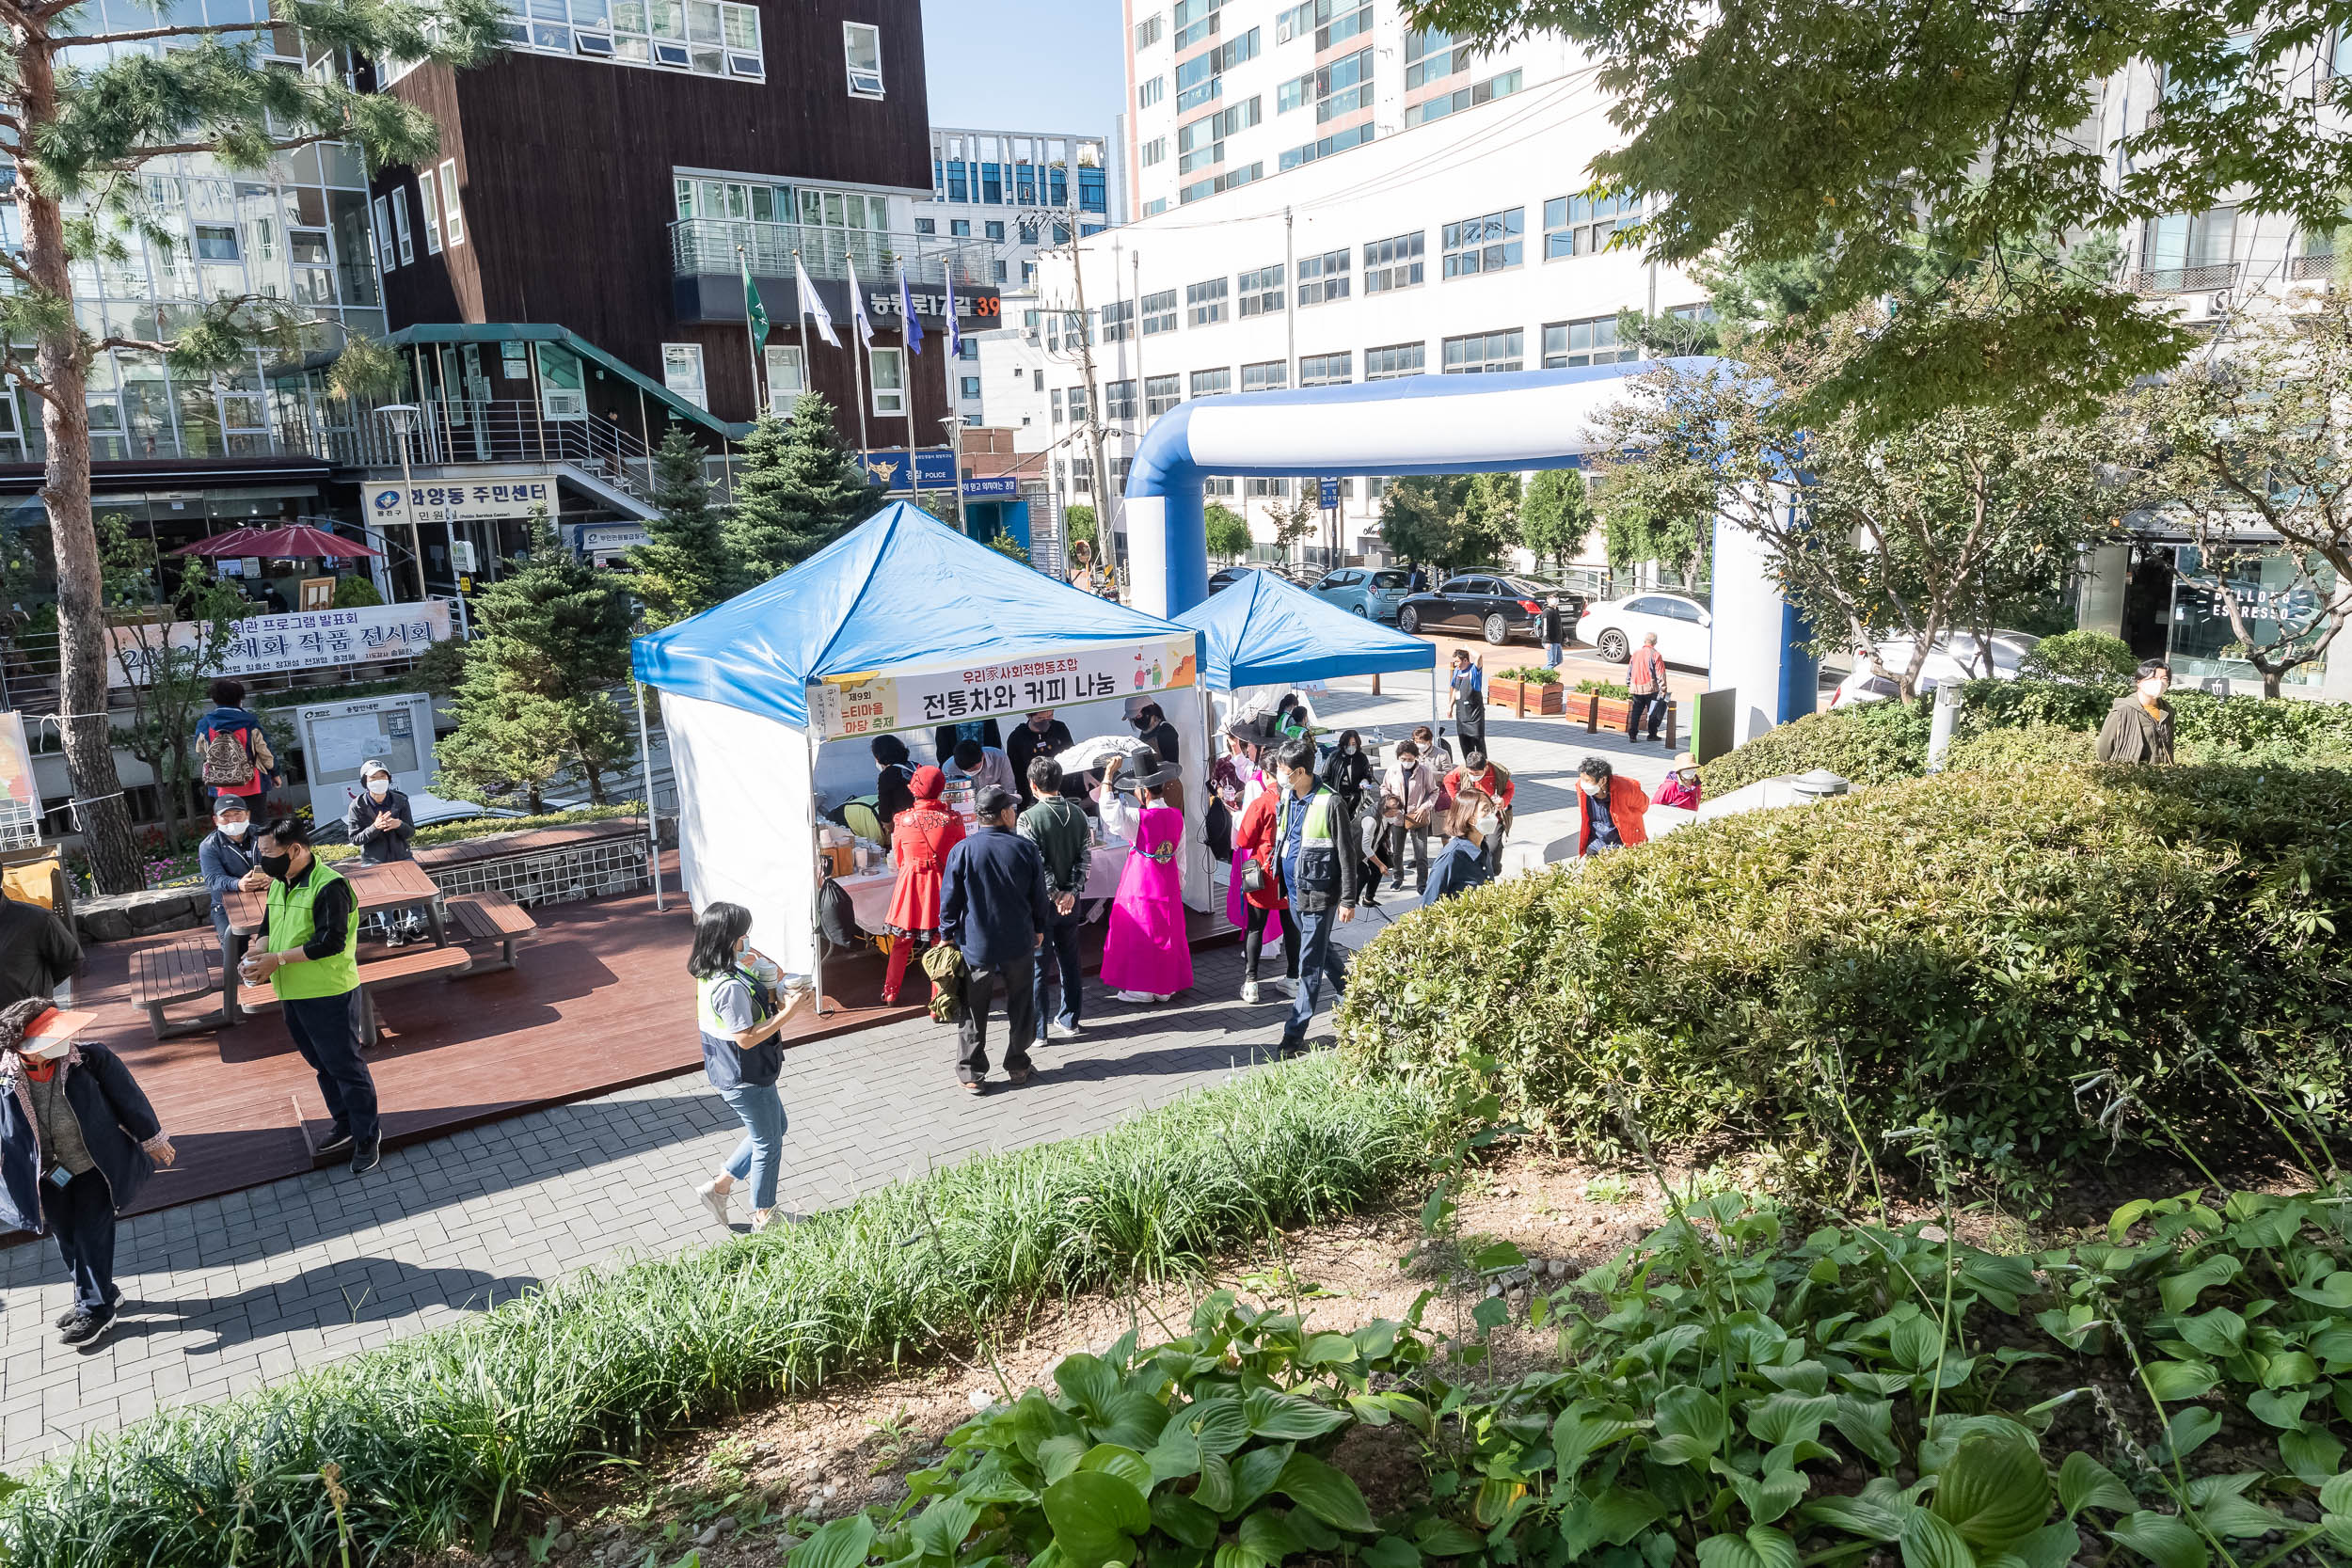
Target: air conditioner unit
559,404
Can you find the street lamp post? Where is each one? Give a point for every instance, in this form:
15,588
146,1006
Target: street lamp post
403,421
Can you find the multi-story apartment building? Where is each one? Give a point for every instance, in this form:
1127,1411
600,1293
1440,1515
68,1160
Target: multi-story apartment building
1016,192
1470,245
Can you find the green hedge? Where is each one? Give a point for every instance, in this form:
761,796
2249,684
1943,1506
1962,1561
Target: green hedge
441,1439
1962,952
1877,742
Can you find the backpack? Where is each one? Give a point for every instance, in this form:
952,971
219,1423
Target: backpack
227,756
837,918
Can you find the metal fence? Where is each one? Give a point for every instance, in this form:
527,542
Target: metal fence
724,244
498,430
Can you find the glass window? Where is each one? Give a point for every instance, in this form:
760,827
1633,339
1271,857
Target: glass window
1148,30
960,228
2279,601
1152,151
1580,224
399,197
682,373
1327,370
1324,278
889,368
927,225
785,382
218,243
1151,92
1486,352
1209,384
1266,376
1160,394
861,44
1393,265
1382,364
1462,97
1488,244
1592,342
995,231
1261,291
1431,57
2184,250
386,257
429,203
1119,400
448,202
1205,303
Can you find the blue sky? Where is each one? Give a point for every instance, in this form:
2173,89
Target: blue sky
1024,65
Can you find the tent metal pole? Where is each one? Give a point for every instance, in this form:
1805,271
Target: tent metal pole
653,822
816,888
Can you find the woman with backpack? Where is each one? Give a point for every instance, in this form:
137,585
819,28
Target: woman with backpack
920,838
231,754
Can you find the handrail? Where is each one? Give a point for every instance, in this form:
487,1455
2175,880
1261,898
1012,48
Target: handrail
723,245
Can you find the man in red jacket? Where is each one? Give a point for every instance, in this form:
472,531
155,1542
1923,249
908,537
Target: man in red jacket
1477,776
1608,809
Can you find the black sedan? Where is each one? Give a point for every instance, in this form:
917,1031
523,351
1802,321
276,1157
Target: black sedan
1490,604
1223,579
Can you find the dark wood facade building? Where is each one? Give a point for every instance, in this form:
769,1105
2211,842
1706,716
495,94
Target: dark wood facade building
617,172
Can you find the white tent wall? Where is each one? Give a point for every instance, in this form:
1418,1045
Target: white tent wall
744,833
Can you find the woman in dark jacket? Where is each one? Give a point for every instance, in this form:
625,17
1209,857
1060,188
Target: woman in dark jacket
77,1142
1347,773
380,821
2139,725
894,773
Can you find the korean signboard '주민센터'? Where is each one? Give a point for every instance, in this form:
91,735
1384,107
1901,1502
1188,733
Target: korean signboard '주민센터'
842,706
477,503
301,642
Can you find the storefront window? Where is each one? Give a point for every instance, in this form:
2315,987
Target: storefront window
2279,601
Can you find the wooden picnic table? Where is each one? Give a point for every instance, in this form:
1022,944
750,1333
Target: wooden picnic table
377,889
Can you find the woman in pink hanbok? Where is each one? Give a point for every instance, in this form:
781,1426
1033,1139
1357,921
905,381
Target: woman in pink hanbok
1146,956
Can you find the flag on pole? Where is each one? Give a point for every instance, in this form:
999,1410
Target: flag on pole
813,308
955,331
857,305
753,309
913,324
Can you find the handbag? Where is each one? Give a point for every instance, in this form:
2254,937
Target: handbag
1253,876
949,973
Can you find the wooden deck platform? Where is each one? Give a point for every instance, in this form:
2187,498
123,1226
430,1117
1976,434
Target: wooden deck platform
601,1001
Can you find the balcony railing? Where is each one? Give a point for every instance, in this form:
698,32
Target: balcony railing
2187,281
711,245
498,430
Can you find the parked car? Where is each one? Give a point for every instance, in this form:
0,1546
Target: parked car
1496,605
1956,656
1372,592
1685,629
1221,580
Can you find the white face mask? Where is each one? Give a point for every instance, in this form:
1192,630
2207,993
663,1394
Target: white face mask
379,787
1353,747
1489,825
234,830
1588,786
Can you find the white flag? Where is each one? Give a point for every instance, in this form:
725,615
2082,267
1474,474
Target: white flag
857,305
813,308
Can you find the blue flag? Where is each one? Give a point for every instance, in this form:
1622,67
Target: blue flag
912,322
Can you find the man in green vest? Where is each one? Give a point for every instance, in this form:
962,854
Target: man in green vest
1314,836
308,950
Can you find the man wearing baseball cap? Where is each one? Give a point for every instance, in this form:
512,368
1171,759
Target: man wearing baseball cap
78,1140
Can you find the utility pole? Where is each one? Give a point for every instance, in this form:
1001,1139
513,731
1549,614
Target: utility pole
1104,530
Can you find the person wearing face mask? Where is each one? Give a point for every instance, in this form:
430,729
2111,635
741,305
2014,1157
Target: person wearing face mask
78,1140
1152,728
1347,773
1609,808
379,823
1315,861
309,952
739,1019
1041,736
1681,788
1479,776
1414,783
2139,725
1462,861
227,860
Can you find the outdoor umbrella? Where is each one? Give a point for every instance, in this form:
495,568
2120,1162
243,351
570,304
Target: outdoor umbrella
296,543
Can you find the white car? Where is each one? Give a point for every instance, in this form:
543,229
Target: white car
1956,656
1615,628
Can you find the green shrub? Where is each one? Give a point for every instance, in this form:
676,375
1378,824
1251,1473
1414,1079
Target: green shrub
1874,743
443,1438
1533,674
1590,686
2092,657
355,591
2021,751
1993,959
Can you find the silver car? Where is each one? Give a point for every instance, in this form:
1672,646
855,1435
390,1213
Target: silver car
1372,592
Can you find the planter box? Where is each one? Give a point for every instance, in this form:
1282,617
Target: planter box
1609,713
1525,697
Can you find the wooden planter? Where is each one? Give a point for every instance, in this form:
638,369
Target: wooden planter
1609,713
1526,697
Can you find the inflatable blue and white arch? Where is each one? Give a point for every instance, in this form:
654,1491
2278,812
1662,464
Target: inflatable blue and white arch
1433,425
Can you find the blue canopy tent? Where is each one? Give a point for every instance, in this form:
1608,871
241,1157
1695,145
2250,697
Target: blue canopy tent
1267,631
901,625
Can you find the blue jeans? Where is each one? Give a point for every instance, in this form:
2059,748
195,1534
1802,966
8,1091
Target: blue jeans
1318,955
1058,963
760,1155
1551,656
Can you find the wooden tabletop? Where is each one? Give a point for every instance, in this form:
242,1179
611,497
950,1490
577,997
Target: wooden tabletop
393,885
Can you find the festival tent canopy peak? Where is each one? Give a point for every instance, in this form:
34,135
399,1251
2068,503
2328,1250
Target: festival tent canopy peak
901,590
1266,631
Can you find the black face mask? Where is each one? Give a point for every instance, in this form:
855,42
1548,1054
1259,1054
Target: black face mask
274,865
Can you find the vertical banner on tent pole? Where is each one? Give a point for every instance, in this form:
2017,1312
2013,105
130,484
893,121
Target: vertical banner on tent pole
653,822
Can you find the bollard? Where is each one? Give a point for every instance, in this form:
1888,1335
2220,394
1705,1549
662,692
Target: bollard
1940,726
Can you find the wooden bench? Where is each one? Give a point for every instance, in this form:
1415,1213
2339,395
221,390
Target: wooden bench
492,917
175,972
399,968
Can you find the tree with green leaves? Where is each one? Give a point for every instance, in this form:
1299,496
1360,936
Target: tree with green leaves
1229,537
1418,521
1555,516
1640,524
1294,519
682,568
85,105
172,623
552,639
1933,155
1488,523
1005,544
1077,527
2244,452
797,489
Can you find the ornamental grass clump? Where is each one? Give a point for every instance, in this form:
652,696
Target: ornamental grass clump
444,1438
2035,968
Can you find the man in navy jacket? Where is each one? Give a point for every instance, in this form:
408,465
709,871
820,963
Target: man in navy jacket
992,906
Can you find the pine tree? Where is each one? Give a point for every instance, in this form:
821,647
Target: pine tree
797,490
537,697
686,568
89,104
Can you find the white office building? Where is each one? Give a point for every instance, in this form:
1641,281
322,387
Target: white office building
1467,245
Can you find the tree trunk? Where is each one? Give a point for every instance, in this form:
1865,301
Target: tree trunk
2274,682
88,736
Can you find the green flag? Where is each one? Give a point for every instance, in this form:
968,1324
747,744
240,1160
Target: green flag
753,309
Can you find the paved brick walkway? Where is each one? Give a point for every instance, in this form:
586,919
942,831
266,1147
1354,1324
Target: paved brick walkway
234,1291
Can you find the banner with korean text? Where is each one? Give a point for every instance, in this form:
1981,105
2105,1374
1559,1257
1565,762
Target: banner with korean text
306,641
872,702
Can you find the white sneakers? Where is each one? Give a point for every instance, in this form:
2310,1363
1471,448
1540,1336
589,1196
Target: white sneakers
1137,996
716,1201
1056,1029
1249,994
776,1219
1289,985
